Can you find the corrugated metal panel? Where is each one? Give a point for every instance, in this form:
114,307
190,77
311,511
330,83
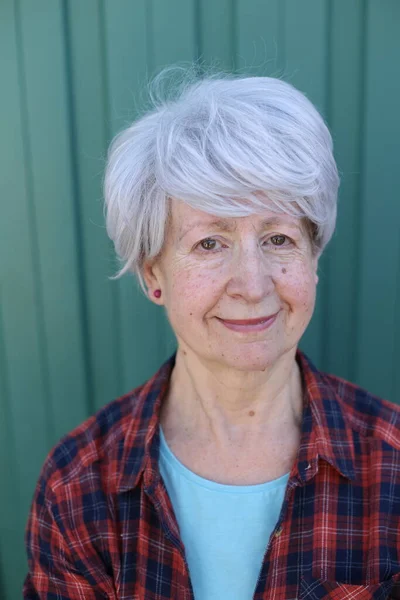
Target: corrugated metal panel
71,340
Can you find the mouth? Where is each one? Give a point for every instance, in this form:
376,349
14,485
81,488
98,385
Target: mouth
248,325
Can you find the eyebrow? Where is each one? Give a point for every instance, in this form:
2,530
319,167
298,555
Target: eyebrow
228,225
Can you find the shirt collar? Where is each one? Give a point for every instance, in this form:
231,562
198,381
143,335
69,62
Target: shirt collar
325,432
141,443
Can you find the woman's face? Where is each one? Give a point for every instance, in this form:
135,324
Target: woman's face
216,274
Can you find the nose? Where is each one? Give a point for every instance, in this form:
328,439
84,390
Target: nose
251,277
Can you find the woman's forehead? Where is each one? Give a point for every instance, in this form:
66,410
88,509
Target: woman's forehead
184,217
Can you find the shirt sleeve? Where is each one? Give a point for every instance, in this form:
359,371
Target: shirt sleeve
59,566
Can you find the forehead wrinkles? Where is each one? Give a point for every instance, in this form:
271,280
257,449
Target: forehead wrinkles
231,224
182,218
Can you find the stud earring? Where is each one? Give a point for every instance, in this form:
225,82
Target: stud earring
157,293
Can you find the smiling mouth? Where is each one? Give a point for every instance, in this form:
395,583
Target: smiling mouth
248,321
248,325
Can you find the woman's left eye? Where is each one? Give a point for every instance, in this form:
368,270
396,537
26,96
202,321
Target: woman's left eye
279,240
209,244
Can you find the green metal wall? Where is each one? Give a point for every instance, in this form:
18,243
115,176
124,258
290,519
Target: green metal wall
70,339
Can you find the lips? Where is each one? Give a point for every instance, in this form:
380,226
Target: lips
248,321
249,326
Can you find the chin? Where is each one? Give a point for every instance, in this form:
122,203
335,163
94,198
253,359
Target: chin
246,359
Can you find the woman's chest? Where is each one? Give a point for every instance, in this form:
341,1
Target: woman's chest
240,466
329,542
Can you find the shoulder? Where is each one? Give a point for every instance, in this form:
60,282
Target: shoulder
371,416
92,449
107,450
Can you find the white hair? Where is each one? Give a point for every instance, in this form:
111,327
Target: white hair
226,145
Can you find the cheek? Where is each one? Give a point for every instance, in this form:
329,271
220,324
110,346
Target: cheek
297,287
193,290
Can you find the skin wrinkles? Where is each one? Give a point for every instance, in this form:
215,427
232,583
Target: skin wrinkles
230,225
233,394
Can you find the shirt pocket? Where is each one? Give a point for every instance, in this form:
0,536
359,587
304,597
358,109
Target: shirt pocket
318,589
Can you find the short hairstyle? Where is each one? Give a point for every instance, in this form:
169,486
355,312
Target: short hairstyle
225,144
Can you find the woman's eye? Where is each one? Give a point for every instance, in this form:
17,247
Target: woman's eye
279,240
208,244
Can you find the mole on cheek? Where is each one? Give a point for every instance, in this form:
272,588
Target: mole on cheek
251,413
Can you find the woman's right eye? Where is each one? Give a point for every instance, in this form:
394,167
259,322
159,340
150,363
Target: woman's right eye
208,244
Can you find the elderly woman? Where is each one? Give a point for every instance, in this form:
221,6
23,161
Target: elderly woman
238,470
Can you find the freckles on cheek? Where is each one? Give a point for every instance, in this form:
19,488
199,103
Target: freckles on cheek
188,289
300,288
197,280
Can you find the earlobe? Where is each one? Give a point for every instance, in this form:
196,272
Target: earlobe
152,294
152,282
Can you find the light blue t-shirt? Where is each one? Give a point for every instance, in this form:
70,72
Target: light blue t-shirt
225,528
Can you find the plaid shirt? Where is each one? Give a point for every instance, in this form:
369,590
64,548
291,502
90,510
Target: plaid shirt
102,524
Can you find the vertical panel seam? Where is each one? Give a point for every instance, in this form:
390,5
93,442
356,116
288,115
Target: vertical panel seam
355,371
149,36
234,34
325,338
11,450
76,200
115,289
198,30
32,216
282,34
6,393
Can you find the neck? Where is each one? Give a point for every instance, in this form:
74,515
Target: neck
225,406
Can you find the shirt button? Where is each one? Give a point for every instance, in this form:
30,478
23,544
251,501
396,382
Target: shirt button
278,532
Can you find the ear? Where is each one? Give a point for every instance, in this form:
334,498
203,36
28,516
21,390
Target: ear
315,261
153,280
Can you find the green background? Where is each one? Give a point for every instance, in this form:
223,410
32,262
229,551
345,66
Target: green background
71,74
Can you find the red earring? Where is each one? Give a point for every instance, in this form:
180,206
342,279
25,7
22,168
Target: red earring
157,293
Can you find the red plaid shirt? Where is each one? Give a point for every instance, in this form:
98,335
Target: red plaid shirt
102,524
